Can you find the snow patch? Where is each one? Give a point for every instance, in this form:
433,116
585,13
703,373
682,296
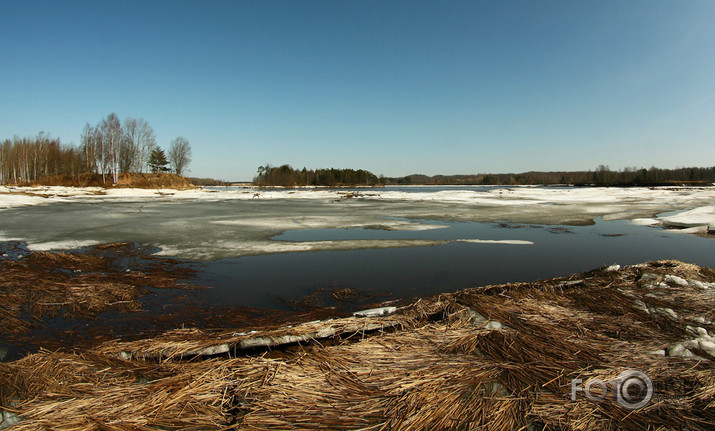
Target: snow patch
674,279
494,325
701,284
375,312
702,341
8,419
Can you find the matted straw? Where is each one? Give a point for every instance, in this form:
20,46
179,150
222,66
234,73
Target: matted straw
492,358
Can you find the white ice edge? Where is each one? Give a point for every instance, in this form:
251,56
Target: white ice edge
4,237
248,248
325,222
60,245
497,241
700,216
645,221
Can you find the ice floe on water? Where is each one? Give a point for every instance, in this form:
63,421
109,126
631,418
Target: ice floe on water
328,222
645,221
703,217
213,223
250,248
60,245
498,196
497,241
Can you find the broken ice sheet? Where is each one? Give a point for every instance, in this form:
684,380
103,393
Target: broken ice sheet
219,223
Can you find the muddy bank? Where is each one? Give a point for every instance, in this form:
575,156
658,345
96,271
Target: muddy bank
502,357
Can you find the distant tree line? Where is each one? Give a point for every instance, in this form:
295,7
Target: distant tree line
602,176
27,159
207,182
286,176
107,149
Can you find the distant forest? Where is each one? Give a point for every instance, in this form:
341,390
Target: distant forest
108,149
208,182
287,176
602,176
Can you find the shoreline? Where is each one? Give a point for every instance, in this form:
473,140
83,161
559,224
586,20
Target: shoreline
77,299
491,347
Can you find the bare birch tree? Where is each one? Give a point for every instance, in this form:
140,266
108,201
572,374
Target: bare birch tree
89,148
179,155
101,147
129,146
112,131
146,141
137,143
95,149
4,161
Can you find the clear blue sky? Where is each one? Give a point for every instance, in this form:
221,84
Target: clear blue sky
395,87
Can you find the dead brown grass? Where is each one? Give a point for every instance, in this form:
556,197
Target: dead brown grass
435,365
156,180
126,179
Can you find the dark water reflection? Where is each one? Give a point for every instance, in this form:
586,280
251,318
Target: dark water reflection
409,272
248,290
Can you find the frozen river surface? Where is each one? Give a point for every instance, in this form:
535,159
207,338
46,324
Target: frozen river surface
258,245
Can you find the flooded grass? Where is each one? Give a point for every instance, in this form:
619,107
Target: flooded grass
500,356
78,299
44,285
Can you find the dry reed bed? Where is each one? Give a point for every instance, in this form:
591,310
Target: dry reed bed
491,358
78,285
191,342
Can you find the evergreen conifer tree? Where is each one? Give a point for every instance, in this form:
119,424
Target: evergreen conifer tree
157,161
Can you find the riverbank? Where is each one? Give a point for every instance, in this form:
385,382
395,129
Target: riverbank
503,356
81,298
124,180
